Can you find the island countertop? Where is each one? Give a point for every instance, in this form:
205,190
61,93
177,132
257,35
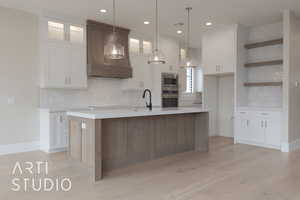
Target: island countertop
127,112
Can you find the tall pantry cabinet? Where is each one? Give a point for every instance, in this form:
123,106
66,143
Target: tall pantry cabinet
219,58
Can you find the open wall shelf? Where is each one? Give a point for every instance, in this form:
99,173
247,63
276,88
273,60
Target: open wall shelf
264,63
262,84
264,43
259,73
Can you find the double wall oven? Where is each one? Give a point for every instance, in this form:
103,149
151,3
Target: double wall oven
170,90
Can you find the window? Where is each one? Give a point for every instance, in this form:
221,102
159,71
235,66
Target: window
76,34
134,46
147,47
56,31
182,54
198,82
189,80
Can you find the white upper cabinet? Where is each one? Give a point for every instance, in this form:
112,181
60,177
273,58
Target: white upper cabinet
77,73
63,54
76,34
219,50
56,64
56,31
134,46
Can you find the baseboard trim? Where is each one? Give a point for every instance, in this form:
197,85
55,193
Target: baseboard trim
257,144
19,148
290,147
56,150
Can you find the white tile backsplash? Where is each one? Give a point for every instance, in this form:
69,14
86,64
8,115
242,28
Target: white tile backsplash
100,92
265,96
264,74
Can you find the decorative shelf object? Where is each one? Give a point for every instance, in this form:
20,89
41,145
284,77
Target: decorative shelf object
262,84
264,43
264,63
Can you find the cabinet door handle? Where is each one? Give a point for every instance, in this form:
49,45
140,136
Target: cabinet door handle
266,124
247,123
262,124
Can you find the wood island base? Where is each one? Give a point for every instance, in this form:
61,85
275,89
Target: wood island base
106,144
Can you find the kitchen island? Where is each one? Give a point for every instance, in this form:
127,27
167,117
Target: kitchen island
107,139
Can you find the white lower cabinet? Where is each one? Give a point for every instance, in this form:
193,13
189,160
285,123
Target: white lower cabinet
258,128
53,131
273,130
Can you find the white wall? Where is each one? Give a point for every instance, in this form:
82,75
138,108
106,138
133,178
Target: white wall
291,101
18,77
241,93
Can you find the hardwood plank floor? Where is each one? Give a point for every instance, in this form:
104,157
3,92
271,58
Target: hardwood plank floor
229,172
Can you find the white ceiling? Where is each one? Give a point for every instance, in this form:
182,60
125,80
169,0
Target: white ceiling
132,13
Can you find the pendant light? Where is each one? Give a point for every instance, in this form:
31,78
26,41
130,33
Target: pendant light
187,61
157,57
113,48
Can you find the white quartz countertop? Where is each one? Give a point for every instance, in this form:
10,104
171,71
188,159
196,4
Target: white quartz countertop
122,113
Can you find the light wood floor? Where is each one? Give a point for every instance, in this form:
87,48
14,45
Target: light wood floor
227,172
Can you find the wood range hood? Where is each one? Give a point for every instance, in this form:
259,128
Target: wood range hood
98,65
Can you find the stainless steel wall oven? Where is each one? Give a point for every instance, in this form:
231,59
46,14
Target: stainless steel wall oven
170,90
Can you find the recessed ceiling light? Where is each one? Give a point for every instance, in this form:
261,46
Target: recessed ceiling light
179,31
208,23
103,10
146,22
